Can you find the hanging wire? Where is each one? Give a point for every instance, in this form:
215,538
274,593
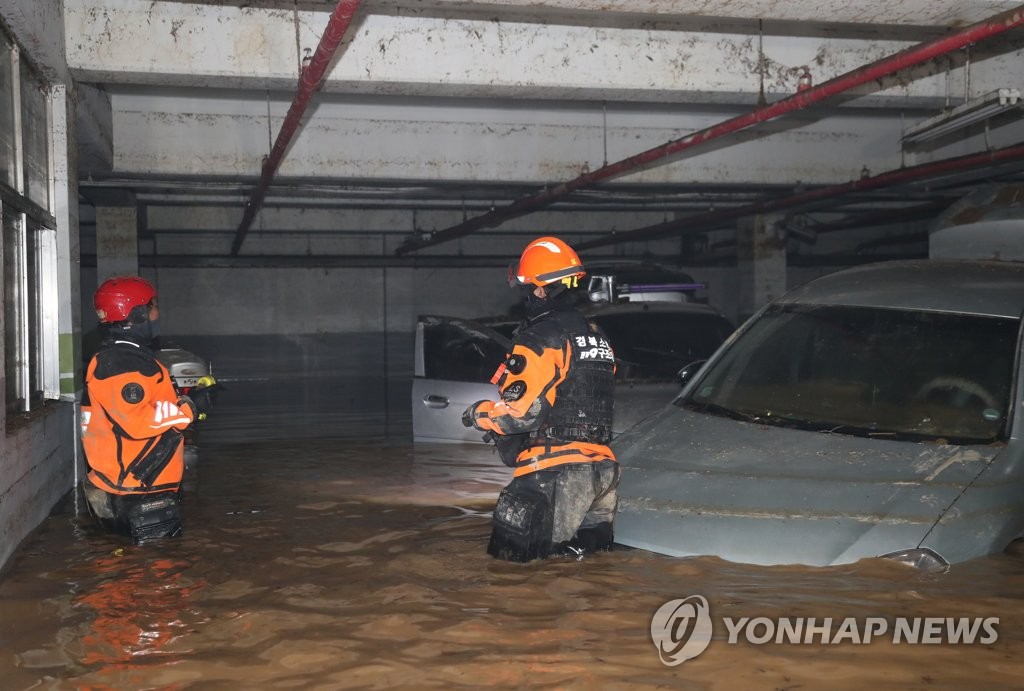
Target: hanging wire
761,100
967,73
270,133
298,40
903,148
604,119
949,79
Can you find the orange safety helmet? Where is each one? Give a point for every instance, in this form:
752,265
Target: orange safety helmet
545,261
117,297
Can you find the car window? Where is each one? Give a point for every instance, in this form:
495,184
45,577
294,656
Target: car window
876,372
654,346
454,351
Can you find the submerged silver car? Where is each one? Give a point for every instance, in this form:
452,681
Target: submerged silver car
455,359
872,412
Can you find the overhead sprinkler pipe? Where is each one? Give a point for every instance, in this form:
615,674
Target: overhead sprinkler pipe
914,55
711,219
310,80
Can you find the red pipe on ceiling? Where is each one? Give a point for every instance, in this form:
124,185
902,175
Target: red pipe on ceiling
884,67
710,219
310,81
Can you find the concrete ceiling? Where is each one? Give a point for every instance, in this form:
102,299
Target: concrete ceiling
449,104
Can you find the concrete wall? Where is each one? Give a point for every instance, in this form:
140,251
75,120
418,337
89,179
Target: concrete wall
325,352
328,350
38,457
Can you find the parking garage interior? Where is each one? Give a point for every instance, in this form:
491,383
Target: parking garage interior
300,179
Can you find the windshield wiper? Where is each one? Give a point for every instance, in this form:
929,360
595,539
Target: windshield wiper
715,409
777,420
826,427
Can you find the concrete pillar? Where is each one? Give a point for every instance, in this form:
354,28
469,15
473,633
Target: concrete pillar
761,263
65,183
117,241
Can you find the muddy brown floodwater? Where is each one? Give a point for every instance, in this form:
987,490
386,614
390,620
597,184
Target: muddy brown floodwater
362,564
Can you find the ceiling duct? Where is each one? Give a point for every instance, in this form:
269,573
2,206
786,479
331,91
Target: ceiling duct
963,116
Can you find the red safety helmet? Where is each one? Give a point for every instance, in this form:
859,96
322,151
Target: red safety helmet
117,297
545,261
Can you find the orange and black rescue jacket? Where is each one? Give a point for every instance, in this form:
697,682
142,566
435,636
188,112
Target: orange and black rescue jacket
131,426
557,385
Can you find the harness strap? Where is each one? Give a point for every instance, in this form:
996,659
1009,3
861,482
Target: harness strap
118,489
551,459
565,434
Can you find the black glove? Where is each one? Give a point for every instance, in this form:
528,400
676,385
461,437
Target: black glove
200,400
203,398
469,415
186,402
508,446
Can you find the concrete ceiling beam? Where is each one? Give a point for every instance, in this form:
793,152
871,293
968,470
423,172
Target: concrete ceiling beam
193,44
489,145
37,26
937,13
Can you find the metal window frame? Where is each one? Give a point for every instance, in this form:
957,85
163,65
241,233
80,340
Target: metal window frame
48,353
43,364
19,144
17,363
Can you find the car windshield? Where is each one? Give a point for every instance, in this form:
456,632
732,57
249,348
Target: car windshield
885,373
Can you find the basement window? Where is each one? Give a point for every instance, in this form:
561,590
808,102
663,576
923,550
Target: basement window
29,239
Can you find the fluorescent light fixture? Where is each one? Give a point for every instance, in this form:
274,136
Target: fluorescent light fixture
963,116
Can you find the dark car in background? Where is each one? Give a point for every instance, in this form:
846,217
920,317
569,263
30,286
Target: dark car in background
639,280
455,359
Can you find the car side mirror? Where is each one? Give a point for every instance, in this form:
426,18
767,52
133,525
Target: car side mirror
601,289
684,375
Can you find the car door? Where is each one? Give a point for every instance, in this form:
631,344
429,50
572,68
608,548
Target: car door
651,346
454,362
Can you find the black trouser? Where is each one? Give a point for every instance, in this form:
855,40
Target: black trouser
568,509
141,517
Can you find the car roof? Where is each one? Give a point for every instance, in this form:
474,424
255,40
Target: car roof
655,307
991,288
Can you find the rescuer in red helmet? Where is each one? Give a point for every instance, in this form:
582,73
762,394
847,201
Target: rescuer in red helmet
133,421
553,421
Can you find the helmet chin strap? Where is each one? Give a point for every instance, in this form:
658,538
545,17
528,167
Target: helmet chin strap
554,290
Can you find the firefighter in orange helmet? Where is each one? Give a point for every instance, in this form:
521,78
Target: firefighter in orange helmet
553,421
133,419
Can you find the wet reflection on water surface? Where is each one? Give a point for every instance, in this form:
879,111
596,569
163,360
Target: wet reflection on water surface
348,564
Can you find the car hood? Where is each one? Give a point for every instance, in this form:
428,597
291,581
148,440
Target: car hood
699,484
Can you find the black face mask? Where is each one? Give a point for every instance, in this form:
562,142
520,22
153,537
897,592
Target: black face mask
535,306
138,328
